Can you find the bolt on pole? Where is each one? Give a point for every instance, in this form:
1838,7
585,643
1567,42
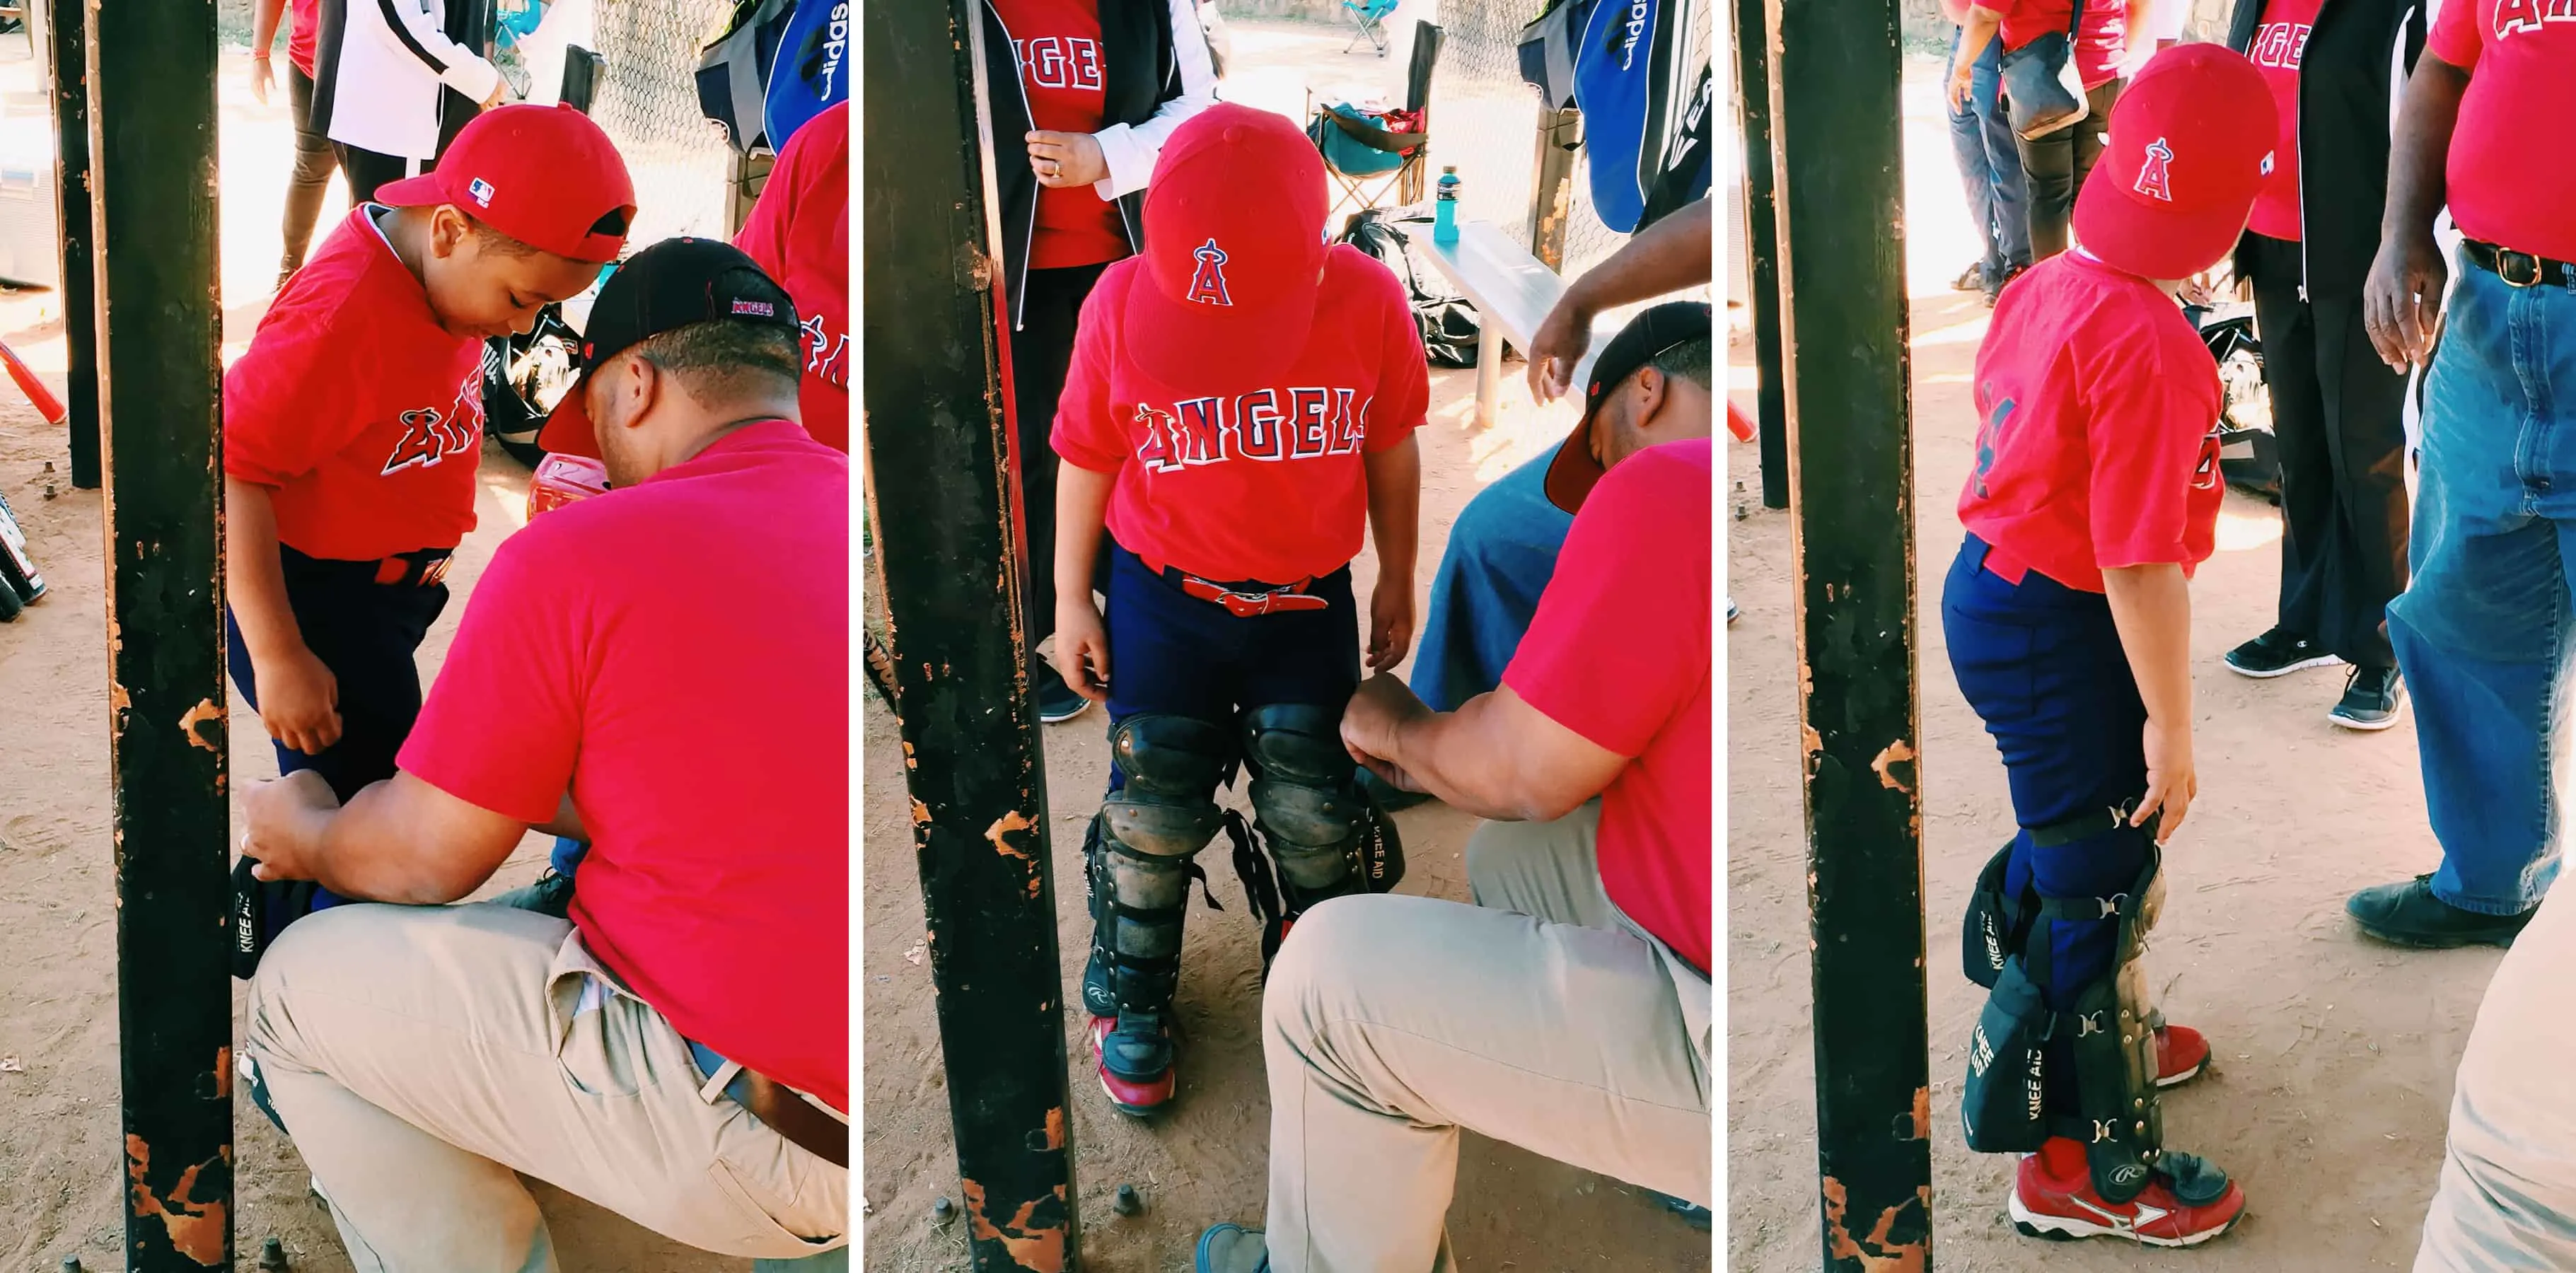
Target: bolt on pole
151,109
1837,142
948,538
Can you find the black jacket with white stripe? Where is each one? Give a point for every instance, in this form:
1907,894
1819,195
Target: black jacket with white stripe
381,67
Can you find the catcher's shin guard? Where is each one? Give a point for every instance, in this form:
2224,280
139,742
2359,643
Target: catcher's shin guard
1138,864
1326,837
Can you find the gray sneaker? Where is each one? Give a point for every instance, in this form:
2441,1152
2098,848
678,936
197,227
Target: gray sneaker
2373,699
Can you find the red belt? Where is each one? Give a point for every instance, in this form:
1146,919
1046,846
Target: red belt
420,570
1241,603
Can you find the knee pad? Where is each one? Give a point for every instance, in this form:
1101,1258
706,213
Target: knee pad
1327,836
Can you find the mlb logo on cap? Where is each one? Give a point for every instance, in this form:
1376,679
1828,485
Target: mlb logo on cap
481,191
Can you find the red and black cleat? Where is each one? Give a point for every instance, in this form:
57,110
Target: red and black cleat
2186,1201
2181,1054
1136,1067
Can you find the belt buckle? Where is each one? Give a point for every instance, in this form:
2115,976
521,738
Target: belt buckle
1249,605
2504,270
435,572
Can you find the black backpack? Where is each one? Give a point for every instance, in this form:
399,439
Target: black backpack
1447,321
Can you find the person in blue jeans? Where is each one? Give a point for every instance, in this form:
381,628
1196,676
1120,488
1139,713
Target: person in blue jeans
2485,633
1981,140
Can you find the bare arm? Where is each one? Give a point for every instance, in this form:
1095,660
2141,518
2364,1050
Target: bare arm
1982,26
299,698
567,823
2403,297
1496,757
400,840
1394,507
1674,253
1081,641
2151,606
263,26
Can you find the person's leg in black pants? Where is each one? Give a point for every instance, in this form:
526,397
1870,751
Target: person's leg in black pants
2056,166
2288,330
1041,350
2091,136
367,170
315,161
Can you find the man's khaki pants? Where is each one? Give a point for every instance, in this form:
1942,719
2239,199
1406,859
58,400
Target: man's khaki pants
2507,1202
1540,1016
420,1057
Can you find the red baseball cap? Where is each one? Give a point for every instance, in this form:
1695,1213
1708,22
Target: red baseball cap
1234,251
2191,144
544,175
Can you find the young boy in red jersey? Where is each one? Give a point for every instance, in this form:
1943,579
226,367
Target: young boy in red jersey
2095,491
352,427
1240,411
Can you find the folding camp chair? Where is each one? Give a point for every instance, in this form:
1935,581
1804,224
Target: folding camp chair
1370,15
1368,160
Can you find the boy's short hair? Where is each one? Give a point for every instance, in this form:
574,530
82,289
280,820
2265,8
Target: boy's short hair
500,244
723,359
1690,360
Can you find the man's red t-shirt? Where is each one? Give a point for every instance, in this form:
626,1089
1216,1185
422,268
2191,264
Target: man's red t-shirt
1058,46
1265,483
799,233
2280,45
307,22
2099,443
2507,186
1620,653
361,414
677,656
2101,40
2027,20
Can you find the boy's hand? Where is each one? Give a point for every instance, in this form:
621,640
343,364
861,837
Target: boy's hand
299,702
1082,648
2172,781
1390,622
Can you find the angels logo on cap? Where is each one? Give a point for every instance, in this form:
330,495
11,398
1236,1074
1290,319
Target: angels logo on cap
2154,177
1207,285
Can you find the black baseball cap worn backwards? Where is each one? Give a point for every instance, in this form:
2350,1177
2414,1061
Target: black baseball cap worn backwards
673,284
1648,336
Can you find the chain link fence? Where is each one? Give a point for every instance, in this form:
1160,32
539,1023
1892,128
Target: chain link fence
647,101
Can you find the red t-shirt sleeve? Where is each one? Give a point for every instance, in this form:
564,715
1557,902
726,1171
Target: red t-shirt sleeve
1609,654
1403,375
1085,434
502,725
2455,37
764,233
290,401
2149,412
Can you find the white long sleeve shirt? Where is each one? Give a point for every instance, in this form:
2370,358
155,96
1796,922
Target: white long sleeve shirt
392,60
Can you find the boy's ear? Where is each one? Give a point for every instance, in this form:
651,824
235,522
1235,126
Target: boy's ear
448,230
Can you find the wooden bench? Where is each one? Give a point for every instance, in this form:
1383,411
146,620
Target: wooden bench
1512,292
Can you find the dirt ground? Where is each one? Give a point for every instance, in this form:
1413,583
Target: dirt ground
2333,1058
1205,1160
60,1160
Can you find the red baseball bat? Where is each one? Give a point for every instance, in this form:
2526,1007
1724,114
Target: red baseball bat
43,399
1735,422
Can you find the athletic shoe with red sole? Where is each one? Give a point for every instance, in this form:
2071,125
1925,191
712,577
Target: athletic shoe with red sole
1135,1066
2181,1054
2187,1202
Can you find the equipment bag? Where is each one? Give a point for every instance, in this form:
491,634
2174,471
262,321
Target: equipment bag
811,72
1448,323
734,70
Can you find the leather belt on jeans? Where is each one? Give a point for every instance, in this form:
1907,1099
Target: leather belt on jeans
1243,603
2518,269
779,1107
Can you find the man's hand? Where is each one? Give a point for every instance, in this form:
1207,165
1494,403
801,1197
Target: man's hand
299,701
263,79
2402,302
1962,85
1066,159
1556,347
1378,711
281,822
2172,781
1082,647
1390,622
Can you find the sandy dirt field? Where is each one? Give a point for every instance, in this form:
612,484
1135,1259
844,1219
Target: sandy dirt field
2333,1058
60,1161
1204,1161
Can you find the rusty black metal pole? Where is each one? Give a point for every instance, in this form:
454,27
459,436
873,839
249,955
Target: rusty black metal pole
948,541
1837,130
1762,244
152,131
66,29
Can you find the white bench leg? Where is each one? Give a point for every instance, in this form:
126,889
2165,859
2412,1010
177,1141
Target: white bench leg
1489,375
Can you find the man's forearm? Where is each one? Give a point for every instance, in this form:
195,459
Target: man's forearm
263,26
367,851
2426,116
1671,254
1976,32
1462,758
1394,507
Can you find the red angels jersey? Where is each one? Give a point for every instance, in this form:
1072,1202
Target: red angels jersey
799,235
2097,447
1267,482
1057,45
2505,183
2280,46
362,415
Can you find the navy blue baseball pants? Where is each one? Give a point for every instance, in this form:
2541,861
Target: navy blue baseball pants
2043,667
1172,653
367,633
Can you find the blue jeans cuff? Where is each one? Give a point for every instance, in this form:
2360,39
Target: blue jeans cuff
2480,906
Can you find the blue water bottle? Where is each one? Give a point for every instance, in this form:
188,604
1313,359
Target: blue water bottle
1444,207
